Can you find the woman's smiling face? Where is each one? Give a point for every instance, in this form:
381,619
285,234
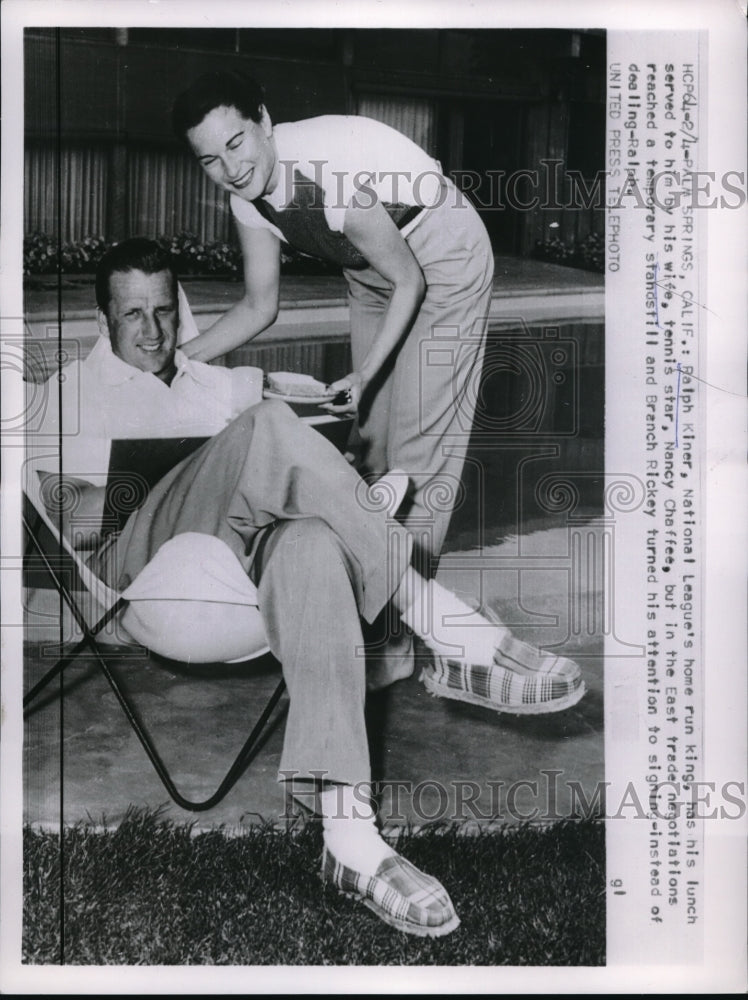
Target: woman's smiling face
238,154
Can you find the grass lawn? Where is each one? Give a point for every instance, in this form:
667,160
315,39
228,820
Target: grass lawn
155,893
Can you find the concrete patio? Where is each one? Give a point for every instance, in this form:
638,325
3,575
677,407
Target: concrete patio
83,760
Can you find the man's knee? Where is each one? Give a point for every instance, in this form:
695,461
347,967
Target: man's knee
269,411
268,419
310,540
272,411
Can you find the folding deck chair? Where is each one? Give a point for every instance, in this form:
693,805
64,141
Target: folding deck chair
114,605
66,567
389,492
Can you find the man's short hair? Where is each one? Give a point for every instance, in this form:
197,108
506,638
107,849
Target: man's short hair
136,254
215,90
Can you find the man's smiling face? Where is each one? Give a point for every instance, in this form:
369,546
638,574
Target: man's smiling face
142,318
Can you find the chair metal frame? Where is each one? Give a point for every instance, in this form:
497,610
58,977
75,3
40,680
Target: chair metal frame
33,517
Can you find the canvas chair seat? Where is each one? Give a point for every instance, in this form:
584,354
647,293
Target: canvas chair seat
215,617
193,602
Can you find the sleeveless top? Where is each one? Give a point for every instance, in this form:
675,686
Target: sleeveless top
305,227
325,162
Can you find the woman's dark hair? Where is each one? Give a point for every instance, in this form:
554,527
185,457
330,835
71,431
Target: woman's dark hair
136,254
215,90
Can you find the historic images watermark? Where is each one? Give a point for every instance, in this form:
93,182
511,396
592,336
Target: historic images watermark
545,799
548,186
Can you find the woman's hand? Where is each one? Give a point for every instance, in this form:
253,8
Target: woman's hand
375,235
353,384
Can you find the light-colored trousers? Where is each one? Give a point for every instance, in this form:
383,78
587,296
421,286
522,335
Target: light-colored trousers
331,558
420,409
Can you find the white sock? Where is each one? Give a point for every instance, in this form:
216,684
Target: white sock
450,627
349,830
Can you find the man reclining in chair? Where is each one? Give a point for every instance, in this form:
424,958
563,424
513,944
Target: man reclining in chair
288,507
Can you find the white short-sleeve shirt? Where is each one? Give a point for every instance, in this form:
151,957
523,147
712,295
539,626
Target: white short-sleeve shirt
103,398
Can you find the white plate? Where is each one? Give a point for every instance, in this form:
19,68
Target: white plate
290,398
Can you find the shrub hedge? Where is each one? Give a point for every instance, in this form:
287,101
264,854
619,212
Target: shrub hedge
42,255
588,253
192,256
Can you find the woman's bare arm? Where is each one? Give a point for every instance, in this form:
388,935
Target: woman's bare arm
368,226
257,309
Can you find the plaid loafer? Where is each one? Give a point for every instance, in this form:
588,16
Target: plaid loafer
514,690
522,658
398,893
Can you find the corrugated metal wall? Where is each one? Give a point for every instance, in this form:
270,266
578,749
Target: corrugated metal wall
83,172
413,116
169,193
